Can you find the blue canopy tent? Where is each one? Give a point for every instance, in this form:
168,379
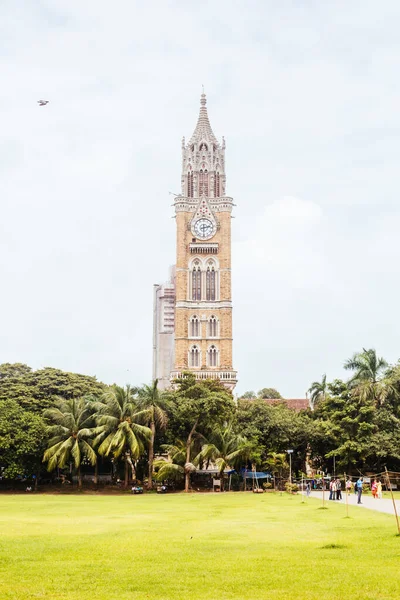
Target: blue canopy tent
254,476
214,471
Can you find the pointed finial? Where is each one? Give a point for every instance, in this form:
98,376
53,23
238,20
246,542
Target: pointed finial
203,100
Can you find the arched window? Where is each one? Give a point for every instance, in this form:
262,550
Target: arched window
194,357
196,281
216,186
210,282
190,184
203,147
203,182
212,327
194,327
212,356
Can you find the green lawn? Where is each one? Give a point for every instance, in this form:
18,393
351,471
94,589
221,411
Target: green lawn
200,546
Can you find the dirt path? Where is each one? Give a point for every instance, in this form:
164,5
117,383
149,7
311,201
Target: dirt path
385,505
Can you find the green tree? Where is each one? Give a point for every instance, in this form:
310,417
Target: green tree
13,371
38,390
154,406
274,428
225,448
175,467
371,380
248,395
119,430
317,391
269,393
343,429
199,407
70,430
367,366
277,463
22,440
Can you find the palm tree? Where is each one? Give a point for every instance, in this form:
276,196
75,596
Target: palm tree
225,449
367,366
317,391
71,432
119,430
175,467
276,463
369,382
154,405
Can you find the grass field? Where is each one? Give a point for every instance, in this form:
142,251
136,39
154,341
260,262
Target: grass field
200,546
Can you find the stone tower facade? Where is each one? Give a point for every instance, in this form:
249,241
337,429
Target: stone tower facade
203,304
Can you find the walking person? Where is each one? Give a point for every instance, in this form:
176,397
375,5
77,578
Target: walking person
338,489
330,489
379,489
359,486
348,486
308,489
374,489
334,489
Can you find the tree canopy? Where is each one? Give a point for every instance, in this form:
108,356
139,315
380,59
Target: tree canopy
73,419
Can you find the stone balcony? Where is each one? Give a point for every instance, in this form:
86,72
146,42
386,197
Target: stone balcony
203,248
228,378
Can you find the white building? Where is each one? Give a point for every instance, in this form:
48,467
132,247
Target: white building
163,331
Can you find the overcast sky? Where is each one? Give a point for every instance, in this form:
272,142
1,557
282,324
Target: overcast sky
307,95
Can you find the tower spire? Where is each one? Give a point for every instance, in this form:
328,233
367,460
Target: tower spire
203,130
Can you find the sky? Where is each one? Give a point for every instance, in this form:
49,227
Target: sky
307,95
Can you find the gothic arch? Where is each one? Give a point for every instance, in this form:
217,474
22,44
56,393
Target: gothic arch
194,357
194,326
217,183
212,356
196,277
203,180
211,280
213,327
195,262
190,183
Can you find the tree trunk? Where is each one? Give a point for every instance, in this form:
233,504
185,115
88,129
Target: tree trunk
79,477
126,472
221,478
188,445
151,454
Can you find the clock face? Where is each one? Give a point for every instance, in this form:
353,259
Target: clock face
204,228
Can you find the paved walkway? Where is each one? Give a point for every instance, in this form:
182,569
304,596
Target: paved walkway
384,505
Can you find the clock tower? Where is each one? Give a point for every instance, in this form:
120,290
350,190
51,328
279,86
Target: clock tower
203,300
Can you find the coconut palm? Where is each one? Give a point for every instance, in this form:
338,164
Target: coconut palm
318,391
225,448
367,366
71,432
154,405
369,382
175,467
119,431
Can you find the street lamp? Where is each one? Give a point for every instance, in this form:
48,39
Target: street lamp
290,452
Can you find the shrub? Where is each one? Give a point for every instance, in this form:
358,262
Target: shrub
291,488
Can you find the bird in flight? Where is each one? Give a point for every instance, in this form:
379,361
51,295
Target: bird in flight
42,102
